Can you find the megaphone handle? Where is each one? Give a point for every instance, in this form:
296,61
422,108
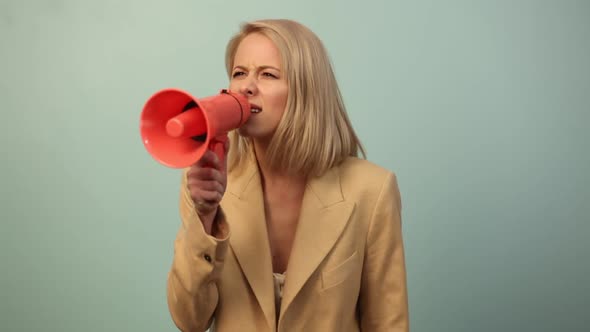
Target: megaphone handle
217,145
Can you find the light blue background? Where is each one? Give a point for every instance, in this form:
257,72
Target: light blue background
482,108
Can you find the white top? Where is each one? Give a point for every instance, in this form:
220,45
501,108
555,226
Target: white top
279,281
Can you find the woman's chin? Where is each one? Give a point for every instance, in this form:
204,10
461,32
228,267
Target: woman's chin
244,132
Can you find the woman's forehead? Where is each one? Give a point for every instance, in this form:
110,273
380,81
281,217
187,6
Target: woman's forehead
257,50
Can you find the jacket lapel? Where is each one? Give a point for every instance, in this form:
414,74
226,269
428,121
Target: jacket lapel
249,237
324,215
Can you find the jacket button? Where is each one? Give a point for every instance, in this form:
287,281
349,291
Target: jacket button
207,258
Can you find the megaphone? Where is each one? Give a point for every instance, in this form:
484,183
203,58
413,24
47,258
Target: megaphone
177,129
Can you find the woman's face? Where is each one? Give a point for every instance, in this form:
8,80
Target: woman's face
258,74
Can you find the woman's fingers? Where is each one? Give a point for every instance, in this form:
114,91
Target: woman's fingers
206,182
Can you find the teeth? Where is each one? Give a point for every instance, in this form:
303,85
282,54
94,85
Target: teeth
256,110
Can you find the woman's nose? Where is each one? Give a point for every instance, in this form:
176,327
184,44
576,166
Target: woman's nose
248,87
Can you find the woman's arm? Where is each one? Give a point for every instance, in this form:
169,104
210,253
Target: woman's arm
198,258
384,298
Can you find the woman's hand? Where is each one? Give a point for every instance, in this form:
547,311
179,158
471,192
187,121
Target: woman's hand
206,181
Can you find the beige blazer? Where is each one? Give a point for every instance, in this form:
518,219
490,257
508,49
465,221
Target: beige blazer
346,271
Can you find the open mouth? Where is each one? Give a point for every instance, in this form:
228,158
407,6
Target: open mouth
255,108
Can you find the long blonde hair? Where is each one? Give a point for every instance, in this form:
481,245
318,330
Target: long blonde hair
315,133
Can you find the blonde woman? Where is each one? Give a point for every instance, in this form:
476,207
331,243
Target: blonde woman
294,232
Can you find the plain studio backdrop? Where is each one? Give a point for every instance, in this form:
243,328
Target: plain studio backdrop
482,108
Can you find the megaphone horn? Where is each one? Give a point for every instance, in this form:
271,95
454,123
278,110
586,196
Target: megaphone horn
177,129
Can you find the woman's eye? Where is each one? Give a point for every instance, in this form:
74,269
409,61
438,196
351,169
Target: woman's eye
269,75
238,73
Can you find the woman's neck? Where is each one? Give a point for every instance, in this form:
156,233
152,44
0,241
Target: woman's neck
272,177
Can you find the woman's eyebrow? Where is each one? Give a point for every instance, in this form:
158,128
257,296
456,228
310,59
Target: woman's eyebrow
259,68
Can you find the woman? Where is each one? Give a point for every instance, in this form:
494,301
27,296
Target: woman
307,236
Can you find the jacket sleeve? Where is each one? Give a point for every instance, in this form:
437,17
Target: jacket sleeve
384,298
198,259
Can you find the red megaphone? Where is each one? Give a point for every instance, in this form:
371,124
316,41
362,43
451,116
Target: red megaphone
177,129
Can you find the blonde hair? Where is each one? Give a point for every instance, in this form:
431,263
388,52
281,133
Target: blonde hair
315,133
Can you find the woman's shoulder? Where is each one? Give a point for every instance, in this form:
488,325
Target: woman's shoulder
361,174
356,167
